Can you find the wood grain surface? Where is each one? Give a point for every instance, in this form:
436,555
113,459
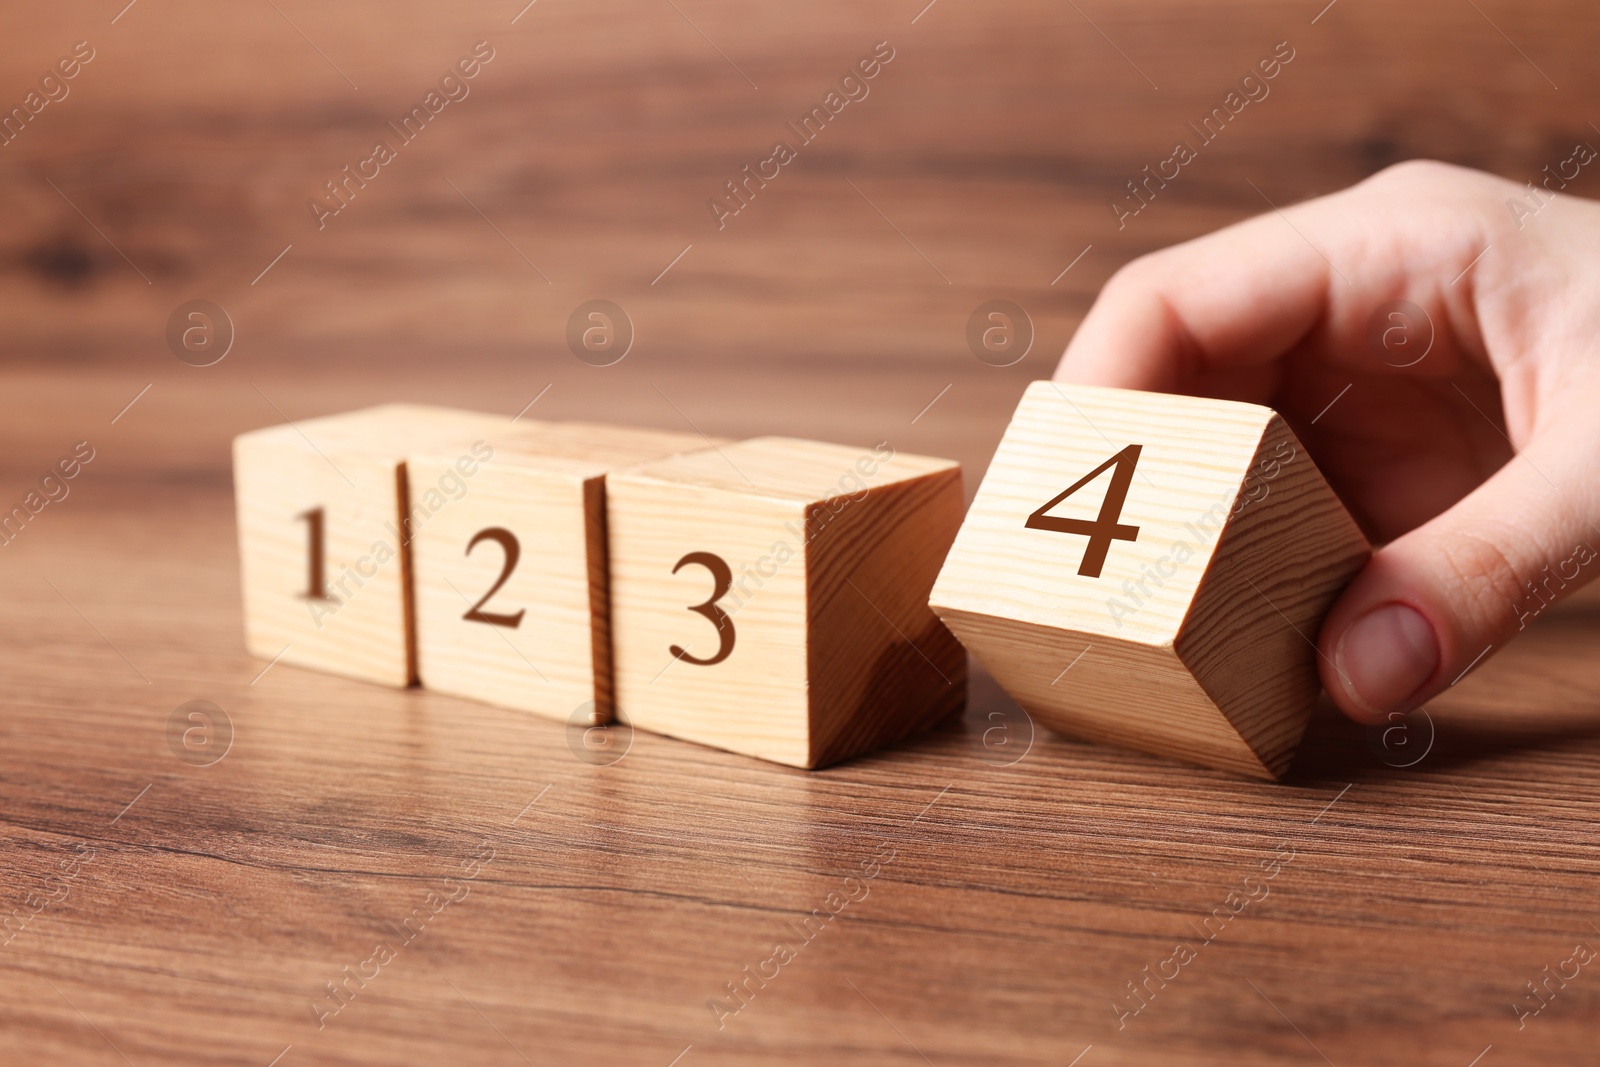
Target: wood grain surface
195,914
325,519
1179,622
795,574
539,508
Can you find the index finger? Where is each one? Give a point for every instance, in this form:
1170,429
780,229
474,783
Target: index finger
1229,301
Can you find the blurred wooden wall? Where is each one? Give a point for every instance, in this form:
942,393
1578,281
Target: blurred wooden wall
994,142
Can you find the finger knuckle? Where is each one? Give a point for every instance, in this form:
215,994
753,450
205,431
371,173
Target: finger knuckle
1430,179
1136,275
1414,173
1481,576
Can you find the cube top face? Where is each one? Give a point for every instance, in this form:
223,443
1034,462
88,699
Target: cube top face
384,430
792,470
766,598
600,446
1101,510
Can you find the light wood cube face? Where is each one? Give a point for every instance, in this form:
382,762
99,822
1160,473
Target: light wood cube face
510,571
770,597
322,538
1150,570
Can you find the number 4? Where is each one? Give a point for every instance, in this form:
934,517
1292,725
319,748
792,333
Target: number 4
1104,528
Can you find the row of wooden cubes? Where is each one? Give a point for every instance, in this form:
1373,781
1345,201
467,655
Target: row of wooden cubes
768,596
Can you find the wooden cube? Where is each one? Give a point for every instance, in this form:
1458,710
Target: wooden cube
1150,570
510,572
770,597
322,513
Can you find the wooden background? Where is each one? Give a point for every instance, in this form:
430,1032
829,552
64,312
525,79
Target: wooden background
1021,899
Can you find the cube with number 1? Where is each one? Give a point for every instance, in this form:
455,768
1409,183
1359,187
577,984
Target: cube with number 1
323,521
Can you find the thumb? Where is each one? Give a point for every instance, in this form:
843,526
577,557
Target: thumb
1437,602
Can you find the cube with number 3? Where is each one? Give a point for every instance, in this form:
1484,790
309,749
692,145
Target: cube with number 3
770,597
1150,571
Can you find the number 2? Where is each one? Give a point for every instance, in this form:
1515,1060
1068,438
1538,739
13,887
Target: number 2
513,552
722,581
1103,528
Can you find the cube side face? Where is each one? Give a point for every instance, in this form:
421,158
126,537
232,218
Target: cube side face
322,559
1101,510
1288,551
1101,689
720,576
503,586
882,665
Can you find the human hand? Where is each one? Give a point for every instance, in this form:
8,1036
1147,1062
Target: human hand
1473,460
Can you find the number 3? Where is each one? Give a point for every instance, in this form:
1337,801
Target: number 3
722,581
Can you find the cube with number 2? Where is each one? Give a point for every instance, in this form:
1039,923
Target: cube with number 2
510,570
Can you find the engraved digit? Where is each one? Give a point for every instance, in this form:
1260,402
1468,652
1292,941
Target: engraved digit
1104,528
513,551
722,581
316,566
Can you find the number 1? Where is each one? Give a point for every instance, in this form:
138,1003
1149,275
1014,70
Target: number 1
316,567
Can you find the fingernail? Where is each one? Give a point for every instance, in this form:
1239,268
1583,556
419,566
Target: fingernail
1385,656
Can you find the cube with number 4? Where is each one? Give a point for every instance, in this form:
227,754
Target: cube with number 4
771,597
1150,570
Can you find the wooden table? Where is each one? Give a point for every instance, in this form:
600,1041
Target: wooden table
580,912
